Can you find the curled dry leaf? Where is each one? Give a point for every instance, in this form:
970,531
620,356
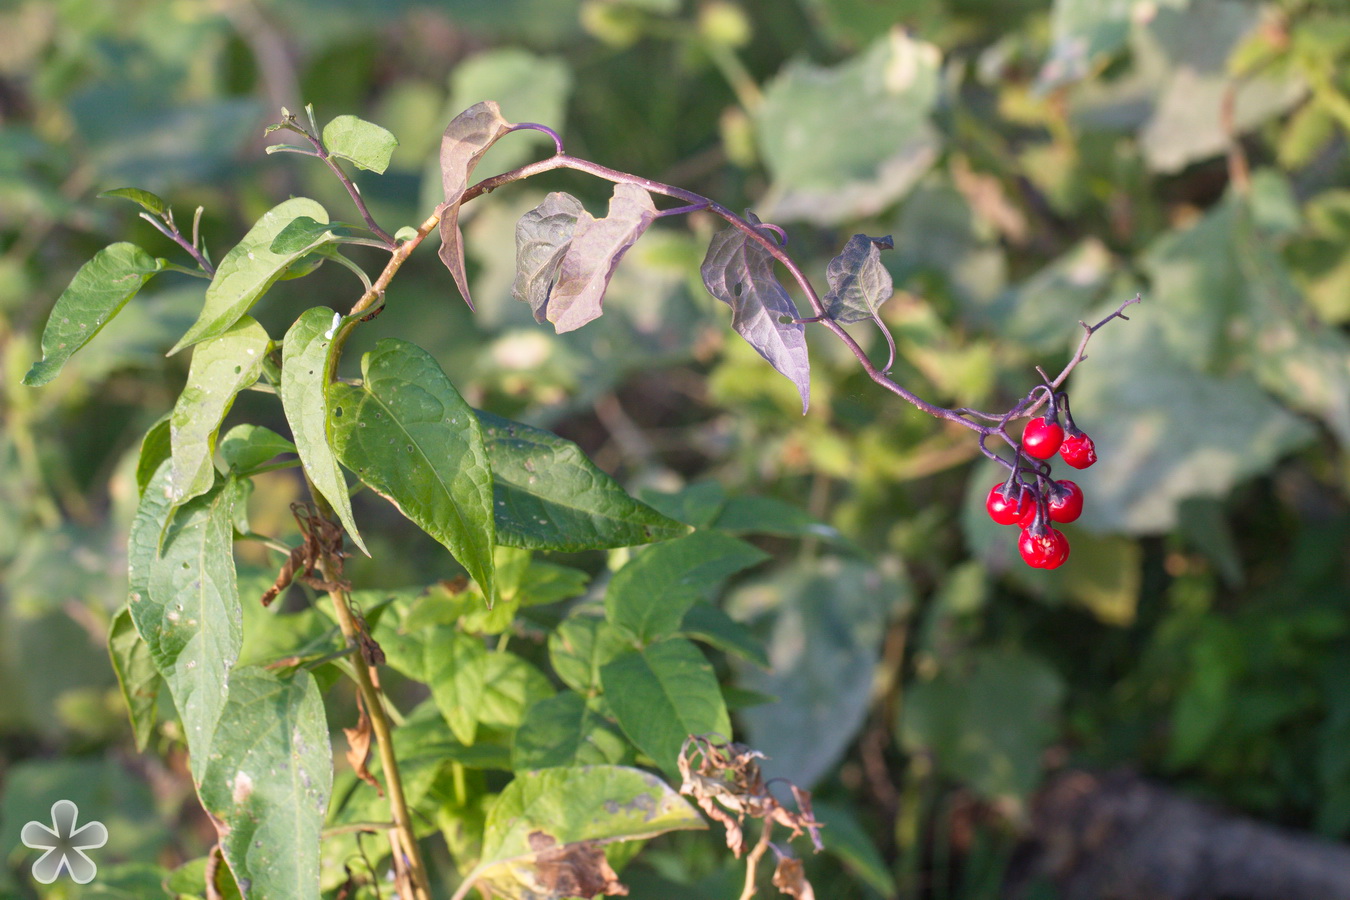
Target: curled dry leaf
466,139
574,870
358,745
789,878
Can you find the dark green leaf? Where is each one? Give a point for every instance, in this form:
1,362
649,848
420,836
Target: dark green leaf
269,780
542,237
221,368
550,496
850,841
697,504
97,293
767,515
859,283
580,646
155,448
661,695
650,595
591,257
246,447
304,378
565,731
248,270
739,272
304,234
144,199
136,674
707,623
466,139
366,144
411,437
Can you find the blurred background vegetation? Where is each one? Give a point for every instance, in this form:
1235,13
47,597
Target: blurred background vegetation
1037,162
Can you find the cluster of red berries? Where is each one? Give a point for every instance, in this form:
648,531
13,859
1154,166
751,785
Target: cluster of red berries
1033,506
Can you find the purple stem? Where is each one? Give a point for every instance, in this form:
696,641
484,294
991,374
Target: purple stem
322,153
171,232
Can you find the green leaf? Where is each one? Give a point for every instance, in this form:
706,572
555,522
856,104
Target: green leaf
144,199
850,842
580,646
155,448
859,283
542,237
248,270
649,596
848,141
466,139
366,144
554,809
1082,33
248,447
565,731
550,496
768,515
661,695
221,368
593,254
98,292
305,358
269,780
304,235
137,676
452,664
709,624
410,436
739,272
511,687
184,600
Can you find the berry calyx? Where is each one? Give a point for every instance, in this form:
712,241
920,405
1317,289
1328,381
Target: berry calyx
1042,437
1064,501
1078,450
1010,504
1043,547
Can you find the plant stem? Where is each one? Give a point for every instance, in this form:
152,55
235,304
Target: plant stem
321,152
752,861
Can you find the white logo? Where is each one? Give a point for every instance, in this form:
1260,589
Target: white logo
65,844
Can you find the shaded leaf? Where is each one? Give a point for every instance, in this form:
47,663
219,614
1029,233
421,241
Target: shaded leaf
410,436
565,731
305,358
542,237
366,144
650,595
98,292
709,624
661,695
304,234
155,448
850,842
144,199
550,496
768,515
269,780
247,447
596,247
137,676
248,270
859,283
580,646
739,272
466,139
220,369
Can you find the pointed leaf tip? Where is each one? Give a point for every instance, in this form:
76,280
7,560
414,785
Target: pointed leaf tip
465,140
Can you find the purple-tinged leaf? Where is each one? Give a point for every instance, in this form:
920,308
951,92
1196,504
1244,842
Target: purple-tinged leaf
466,139
859,283
739,272
542,237
594,253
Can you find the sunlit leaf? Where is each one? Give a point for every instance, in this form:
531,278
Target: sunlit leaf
550,496
221,368
304,234
580,646
565,731
98,292
144,199
136,675
366,144
594,252
511,687
305,358
739,272
859,283
409,435
466,139
155,448
542,237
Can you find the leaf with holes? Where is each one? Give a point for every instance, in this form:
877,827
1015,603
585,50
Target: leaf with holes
98,292
365,144
739,272
542,237
466,139
859,283
409,435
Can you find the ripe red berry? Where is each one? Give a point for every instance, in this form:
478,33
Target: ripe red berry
1065,501
1078,450
1044,548
1042,437
1009,510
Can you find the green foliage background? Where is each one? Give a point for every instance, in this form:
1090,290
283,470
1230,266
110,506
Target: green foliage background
1037,163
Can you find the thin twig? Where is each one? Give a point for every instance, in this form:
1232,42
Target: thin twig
752,860
322,153
170,231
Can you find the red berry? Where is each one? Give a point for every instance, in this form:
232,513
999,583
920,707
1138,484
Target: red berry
1065,501
1009,510
1078,450
1044,550
1042,437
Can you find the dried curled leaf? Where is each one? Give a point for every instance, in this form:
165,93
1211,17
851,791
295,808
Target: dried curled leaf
859,283
573,870
466,139
789,878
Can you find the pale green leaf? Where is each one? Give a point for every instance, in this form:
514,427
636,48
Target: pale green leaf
248,270
511,687
565,731
155,448
144,199
247,447
580,646
221,368
410,436
136,675
305,357
98,292
366,144
452,664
